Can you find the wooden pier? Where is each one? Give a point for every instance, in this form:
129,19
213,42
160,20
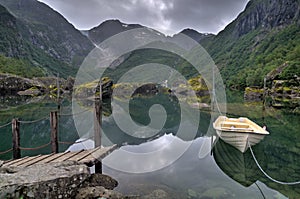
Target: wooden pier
89,157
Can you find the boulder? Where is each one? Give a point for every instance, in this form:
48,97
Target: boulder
11,84
54,180
91,89
99,179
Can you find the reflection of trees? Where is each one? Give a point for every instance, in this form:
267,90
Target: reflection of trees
280,162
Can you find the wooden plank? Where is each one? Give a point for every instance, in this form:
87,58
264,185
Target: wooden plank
82,156
88,157
68,156
15,161
52,157
35,161
98,154
26,160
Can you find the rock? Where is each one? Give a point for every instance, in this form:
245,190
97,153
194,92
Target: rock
267,15
217,192
11,84
69,84
91,89
1,163
30,92
157,194
192,193
97,192
146,90
285,93
54,180
100,180
253,94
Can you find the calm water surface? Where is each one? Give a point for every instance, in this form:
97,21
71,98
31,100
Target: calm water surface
223,173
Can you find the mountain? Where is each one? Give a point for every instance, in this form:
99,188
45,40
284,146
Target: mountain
263,37
107,29
14,50
194,34
52,42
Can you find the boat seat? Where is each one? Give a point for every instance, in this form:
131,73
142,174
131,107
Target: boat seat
235,125
236,129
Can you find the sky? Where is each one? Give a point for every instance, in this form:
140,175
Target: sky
167,16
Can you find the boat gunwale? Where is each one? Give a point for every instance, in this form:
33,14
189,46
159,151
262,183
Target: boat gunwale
239,130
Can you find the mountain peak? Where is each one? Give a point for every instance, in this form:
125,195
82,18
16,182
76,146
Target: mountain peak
109,28
194,34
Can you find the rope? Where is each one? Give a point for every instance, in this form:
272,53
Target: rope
7,151
262,193
34,121
277,181
63,142
5,125
36,148
74,113
77,142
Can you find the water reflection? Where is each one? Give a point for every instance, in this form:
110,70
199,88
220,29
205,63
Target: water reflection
187,175
226,174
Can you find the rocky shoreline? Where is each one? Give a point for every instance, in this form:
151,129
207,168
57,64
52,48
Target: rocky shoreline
63,180
56,180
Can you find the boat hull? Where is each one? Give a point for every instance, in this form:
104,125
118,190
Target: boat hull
239,132
240,140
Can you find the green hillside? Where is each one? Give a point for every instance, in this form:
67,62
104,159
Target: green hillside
33,32
262,38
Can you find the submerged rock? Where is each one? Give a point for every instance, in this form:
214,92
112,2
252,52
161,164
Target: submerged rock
97,192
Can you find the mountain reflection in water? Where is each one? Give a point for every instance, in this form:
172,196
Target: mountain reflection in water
226,173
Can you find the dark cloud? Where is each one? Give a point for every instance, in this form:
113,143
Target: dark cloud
168,16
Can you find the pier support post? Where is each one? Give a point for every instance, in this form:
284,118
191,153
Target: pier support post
16,138
97,125
54,131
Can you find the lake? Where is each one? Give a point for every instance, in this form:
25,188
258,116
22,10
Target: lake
180,165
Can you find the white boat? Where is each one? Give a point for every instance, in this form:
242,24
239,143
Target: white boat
239,131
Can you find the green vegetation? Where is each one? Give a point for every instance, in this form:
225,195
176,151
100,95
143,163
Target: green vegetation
19,67
246,60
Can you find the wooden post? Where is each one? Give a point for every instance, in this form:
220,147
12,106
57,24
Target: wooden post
54,131
97,125
16,138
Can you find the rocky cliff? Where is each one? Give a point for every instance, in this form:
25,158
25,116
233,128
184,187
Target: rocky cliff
267,15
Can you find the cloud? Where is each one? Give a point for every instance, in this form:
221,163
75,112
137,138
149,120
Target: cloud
168,16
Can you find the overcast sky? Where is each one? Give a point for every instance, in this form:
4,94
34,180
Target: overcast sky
167,16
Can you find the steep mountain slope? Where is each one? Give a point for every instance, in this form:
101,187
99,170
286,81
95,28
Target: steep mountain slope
55,44
49,30
14,46
263,37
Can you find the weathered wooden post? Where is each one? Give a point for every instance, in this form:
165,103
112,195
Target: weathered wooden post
98,124
54,131
265,91
16,138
